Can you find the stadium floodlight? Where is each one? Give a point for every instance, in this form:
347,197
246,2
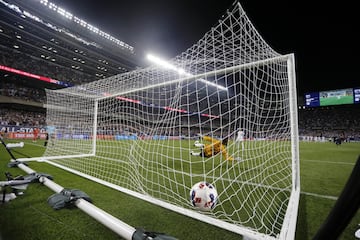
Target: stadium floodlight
45,2
53,6
136,131
181,71
212,84
165,64
70,16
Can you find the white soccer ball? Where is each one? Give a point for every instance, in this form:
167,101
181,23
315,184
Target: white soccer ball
203,196
196,142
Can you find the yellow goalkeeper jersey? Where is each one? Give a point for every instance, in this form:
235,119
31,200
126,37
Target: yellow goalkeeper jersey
214,148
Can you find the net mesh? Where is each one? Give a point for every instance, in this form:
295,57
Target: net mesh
139,128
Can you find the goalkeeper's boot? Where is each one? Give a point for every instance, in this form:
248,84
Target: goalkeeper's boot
198,144
195,153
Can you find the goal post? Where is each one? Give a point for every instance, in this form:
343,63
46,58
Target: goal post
289,225
135,132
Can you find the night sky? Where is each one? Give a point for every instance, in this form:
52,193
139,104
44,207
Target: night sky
322,35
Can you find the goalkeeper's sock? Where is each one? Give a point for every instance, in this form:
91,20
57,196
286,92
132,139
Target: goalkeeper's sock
195,153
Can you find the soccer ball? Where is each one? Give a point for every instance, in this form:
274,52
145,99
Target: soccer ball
203,196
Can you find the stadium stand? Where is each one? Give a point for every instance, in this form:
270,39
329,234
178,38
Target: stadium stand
37,40
41,49
332,121
19,117
19,91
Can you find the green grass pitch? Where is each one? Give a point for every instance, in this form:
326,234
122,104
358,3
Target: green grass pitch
336,100
324,168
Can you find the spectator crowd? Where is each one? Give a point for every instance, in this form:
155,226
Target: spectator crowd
20,92
329,122
343,121
14,117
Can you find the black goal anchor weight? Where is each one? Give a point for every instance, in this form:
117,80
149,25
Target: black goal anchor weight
15,185
73,197
18,183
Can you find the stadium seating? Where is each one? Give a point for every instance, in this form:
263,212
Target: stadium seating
33,47
333,121
14,117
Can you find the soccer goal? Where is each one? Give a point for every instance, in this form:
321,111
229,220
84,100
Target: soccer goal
135,131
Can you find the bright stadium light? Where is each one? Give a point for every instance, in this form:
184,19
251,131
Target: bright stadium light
213,84
181,71
45,2
61,11
165,64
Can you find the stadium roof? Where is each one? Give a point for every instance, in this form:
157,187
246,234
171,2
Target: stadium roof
322,36
44,42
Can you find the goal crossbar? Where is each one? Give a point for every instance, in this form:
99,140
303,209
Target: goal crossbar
202,75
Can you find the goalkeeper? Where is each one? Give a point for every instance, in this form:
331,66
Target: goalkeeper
213,148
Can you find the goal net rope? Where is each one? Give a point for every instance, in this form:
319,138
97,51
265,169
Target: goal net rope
135,131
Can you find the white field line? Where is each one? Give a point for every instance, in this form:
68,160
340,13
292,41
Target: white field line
320,196
36,144
305,193
326,162
330,162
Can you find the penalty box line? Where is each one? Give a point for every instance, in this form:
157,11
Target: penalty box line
330,162
320,195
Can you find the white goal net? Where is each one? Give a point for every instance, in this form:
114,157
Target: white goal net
135,131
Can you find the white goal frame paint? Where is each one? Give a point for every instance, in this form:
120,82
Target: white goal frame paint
289,221
289,225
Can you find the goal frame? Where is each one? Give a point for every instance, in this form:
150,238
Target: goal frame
289,224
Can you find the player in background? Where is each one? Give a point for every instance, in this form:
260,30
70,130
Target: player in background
4,133
36,132
240,138
338,141
46,139
50,134
213,148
